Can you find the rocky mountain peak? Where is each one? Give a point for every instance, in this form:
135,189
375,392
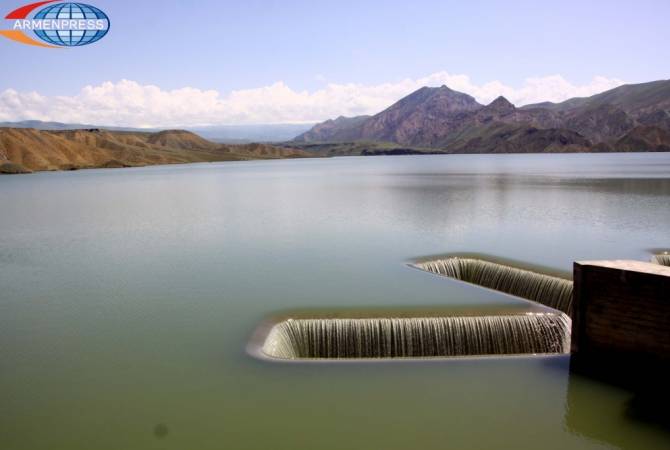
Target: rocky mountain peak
501,105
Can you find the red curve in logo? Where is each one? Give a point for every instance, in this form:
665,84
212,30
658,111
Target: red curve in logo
22,12
19,36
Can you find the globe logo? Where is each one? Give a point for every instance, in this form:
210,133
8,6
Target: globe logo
73,12
57,25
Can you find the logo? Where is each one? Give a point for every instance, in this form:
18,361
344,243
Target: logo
56,25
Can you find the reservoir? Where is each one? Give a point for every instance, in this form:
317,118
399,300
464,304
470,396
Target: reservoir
128,298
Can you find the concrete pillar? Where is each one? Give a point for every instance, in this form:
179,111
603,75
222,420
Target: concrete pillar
621,312
621,336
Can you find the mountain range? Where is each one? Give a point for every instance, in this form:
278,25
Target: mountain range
226,134
27,149
634,117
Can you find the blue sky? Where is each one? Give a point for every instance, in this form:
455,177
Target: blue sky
227,46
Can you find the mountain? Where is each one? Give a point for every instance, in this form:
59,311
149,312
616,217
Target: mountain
612,114
27,149
621,119
342,129
421,118
629,97
645,136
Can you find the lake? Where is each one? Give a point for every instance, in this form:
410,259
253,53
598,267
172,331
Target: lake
128,296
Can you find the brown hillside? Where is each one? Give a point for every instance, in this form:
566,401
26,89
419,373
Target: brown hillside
180,139
34,150
645,138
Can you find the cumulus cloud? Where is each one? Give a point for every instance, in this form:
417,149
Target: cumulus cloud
128,103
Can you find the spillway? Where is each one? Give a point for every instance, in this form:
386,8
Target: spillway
662,259
418,337
549,290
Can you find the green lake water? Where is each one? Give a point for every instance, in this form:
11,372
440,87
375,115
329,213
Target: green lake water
128,296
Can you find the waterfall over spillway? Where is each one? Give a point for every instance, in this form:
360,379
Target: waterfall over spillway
663,259
419,337
434,335
548,290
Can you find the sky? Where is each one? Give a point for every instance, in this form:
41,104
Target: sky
171,63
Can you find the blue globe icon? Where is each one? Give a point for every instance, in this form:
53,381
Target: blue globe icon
72,37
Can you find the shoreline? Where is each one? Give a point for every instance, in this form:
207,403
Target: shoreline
23,171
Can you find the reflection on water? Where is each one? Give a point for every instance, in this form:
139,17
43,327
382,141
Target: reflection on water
127,298
621,417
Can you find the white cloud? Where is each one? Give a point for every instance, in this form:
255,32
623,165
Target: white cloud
128,103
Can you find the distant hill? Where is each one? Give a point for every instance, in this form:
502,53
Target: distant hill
345,128
251,133
59,126
217,133
26,149
628,118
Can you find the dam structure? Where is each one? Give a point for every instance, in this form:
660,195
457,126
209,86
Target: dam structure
443,335
598,314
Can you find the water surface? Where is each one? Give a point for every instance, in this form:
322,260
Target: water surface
127,297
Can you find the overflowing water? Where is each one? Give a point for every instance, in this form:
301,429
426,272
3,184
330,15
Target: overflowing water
419,337
549,290
662,259
468,335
